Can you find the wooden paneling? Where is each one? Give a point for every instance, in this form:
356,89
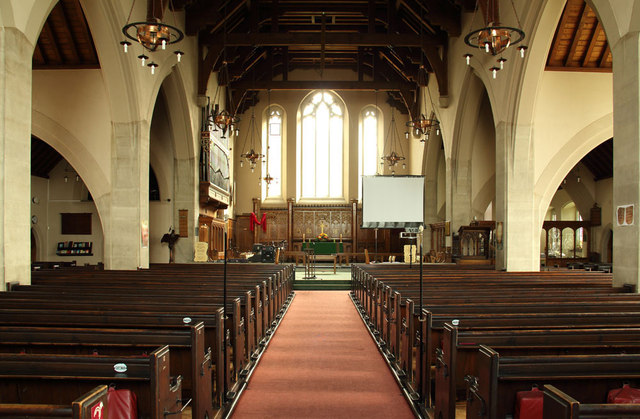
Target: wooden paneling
580,43
65,40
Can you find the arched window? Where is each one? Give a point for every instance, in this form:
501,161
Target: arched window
368,145
321,147
272,150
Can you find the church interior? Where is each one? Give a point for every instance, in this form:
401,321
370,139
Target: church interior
195,181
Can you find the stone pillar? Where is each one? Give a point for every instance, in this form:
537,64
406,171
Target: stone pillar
515,200
626,157
461,213
129,208
15,162
186,197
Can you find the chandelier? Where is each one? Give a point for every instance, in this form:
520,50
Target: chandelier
422,125
152,34
251,155
268,179
224,119
494,38
391,156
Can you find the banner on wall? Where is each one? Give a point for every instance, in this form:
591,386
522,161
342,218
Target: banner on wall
625,215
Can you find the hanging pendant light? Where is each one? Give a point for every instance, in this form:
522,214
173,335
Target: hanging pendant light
493,37
391,156
249,152
152,34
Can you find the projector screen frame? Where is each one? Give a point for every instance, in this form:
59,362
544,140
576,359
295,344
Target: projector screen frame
392,224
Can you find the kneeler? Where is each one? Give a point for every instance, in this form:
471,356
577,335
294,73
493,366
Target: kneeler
529,404
624,395
122,404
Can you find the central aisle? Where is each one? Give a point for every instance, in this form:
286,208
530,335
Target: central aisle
322,363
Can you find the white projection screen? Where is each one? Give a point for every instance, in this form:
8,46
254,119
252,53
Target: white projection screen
392,201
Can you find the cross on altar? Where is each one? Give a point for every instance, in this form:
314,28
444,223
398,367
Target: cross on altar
322,228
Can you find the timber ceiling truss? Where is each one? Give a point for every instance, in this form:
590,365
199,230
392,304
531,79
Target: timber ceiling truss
389,46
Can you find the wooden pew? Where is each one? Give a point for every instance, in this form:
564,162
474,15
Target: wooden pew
560,405
188,356
457,356
491,392
36,378
80,408
214,329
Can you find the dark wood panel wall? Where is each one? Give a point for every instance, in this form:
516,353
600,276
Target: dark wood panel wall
294,222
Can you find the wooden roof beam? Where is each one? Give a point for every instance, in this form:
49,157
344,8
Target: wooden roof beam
48,33
605,55
594,40
571,56
65,27
323,84
331,38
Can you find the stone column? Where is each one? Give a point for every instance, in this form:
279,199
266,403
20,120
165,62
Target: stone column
129,207
186,197
515,200
626,157
461,213
15,162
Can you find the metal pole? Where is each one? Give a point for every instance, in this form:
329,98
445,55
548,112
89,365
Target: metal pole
224,318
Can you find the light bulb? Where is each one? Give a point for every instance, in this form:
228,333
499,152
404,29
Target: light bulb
164,44
404,165
486,47
252,168
143,59
468,58
438,131
179,55
522,49
406,135
66,178
241,163
125,46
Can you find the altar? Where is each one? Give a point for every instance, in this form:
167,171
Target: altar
323,247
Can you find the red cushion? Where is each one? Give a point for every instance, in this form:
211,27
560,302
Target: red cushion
122,404
626,395
529,404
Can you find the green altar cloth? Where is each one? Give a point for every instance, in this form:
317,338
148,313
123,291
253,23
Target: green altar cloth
323,248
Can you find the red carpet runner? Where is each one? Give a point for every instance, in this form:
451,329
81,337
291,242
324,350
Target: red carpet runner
322,363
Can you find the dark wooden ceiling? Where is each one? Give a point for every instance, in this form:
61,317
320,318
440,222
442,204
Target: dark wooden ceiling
600,161
43,158
389,46
65,40
580,43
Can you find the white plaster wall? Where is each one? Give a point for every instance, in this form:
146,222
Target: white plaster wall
567,102
77,101
55,196
247,183
483,161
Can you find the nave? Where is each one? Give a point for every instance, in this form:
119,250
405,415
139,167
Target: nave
322,362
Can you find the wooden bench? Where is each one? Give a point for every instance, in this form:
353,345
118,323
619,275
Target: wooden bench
560,405
188,356
81,408
491,392
457,356
37,378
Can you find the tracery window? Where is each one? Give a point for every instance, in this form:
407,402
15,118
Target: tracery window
272,147
368,145
321,147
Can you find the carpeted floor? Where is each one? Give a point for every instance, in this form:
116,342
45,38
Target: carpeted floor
322,363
